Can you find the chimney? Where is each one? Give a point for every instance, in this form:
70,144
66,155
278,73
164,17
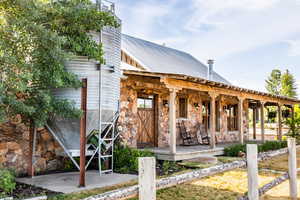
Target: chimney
210,69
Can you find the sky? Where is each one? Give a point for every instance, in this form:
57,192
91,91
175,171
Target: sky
246,38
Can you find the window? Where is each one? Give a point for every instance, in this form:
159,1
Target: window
182,107
144,103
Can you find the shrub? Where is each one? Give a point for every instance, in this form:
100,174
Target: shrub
234,150
7,181
126,158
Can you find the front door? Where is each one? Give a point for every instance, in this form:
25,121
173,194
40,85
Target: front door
146,122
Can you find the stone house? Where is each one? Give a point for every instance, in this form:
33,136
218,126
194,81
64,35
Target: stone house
161,91
164,90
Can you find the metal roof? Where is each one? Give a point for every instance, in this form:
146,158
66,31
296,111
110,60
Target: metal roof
162,59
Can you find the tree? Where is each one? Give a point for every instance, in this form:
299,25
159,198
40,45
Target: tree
273,83
36,38
288,85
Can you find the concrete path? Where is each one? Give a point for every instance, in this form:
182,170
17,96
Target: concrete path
68,182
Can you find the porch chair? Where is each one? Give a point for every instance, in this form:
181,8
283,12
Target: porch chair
205,139
188,138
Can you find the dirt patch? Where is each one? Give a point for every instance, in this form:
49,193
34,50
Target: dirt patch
280,192
279,163
25,191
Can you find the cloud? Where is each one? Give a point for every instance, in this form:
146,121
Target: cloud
294,47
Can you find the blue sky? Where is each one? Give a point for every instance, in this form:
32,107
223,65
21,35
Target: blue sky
246,38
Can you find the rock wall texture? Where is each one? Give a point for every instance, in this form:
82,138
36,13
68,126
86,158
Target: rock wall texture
14,149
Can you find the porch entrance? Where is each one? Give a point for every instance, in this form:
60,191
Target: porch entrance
146,134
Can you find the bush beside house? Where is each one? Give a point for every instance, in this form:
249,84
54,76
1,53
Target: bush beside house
234,150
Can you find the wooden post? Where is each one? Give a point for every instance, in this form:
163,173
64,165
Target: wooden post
254,123
292,167
83,132
252,172
241,121
279,122
147,178
262,121
212,119
32,130
172,120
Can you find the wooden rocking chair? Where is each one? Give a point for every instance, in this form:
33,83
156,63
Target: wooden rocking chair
188,138
203,134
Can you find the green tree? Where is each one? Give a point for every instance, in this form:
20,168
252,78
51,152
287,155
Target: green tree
273,83
288,85
36,38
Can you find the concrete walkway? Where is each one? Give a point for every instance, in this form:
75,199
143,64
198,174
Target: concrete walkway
68,182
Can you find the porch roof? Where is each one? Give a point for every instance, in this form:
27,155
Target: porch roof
214,85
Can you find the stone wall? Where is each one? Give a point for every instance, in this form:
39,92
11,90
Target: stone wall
14,149
128,114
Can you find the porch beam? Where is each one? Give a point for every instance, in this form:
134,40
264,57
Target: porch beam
172,120
240,119
212,119
262,120
224,91
279,121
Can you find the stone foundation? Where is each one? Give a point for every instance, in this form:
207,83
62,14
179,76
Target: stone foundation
14,149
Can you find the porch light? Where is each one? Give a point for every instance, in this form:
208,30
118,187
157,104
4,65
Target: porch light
165,103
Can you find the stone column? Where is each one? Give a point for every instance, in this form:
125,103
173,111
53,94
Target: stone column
172,120
212,119
262,121
240,119
254,123
279,122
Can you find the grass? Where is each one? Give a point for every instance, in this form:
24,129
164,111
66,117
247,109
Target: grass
87,193
280,192
214,187
279,163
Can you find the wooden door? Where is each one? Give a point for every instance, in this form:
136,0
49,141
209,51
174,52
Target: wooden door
146,123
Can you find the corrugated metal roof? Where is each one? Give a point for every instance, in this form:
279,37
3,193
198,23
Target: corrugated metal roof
158,58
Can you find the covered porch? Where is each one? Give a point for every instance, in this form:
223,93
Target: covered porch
176,105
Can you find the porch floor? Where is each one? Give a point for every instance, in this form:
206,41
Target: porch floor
68,182
189,152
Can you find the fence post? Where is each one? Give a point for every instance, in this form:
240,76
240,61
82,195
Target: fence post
292,167
147,178
252,172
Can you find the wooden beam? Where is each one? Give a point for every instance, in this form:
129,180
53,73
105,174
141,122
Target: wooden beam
172,120
279,122
83,132
212,119
254,123
224,91
32,129
241,119
262,120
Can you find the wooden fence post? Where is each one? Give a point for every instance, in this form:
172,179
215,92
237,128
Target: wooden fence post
147,178
252,172
292,167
